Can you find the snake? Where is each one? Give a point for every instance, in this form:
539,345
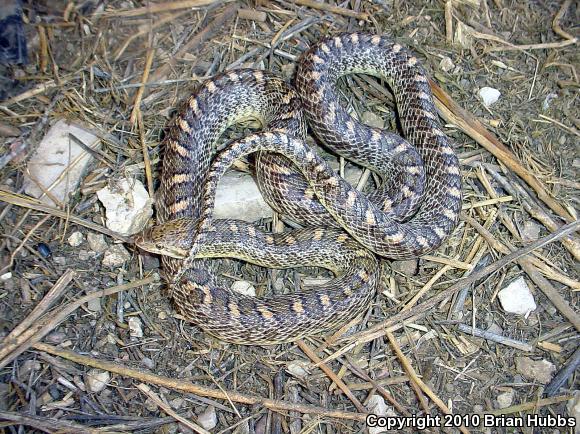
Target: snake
414,210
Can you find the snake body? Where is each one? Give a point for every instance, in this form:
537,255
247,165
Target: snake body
412,213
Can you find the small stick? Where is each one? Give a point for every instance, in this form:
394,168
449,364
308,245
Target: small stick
533,405
416,380
556,22
326,369
155,8
449,21
183,385
352,366
474,331
144,78
167,409
333,9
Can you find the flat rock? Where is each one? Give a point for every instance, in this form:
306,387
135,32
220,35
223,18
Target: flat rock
541,371
517,298
57,153
127,204
238,197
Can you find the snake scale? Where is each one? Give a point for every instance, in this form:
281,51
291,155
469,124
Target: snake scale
413,211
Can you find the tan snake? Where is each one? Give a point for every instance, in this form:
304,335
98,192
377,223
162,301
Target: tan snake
412,213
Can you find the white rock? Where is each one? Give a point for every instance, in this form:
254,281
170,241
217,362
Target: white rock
489,95
446,64
76,239
96,380
115,256
297,369
517,298
504,400
94,305
541,371
208,419
238,197
127,204
548,100
6,276
97,242
135,329
57,153
244,287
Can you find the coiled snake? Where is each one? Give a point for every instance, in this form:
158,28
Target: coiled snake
415,209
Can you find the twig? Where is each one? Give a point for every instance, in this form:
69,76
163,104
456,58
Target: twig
186,386
167,409
556,22
416,380
47,424
495,338
333,9
329,372
155,8
533,405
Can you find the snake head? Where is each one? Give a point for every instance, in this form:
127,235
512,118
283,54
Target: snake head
173,238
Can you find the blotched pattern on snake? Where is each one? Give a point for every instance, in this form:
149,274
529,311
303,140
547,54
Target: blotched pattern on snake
415,209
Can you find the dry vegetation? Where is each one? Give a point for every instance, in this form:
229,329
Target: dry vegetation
421,346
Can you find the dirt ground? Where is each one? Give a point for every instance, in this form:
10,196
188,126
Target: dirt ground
88,62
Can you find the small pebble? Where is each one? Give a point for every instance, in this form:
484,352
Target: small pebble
96,380
489,95
135,329
94,305
116,256
76,239
530,231
59,260
506,399
446,64
6,276
148,363
297,369
97,242
208,419
244,287
408,267
372,120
